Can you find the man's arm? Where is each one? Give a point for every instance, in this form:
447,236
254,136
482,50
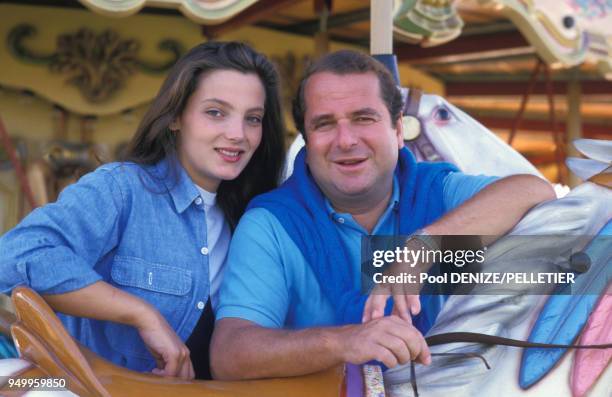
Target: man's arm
490,213
495,209
249,339
241,349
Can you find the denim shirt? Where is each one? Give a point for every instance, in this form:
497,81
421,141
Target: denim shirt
138,228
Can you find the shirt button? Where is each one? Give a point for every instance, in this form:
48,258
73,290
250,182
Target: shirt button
201,305
204,250
340,220
198,201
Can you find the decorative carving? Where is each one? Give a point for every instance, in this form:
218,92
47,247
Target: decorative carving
98,64
426,22
566,35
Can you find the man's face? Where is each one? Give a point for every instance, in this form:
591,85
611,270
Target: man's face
352,145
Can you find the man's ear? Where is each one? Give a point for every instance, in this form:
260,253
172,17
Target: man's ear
399,132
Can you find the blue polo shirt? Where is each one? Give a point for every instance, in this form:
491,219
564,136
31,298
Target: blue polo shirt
268,280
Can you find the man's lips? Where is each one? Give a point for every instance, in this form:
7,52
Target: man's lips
350,161
350,164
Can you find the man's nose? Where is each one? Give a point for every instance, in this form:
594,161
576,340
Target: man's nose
346,137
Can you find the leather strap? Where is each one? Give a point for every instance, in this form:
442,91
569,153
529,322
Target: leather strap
472,337
411,106
421,144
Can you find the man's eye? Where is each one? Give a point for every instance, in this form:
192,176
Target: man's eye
323,125
365,120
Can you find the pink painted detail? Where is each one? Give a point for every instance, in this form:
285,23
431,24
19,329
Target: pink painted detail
589,364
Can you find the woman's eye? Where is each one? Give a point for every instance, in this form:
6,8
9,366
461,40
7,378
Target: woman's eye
214,113
254,119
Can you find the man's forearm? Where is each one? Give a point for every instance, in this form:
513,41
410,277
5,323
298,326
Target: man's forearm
243,350
496,209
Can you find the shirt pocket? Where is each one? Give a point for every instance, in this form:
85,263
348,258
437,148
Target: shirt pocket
163,286
138,273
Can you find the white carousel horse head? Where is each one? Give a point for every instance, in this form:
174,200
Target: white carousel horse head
461,140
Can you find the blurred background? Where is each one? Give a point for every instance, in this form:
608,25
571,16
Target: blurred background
77,76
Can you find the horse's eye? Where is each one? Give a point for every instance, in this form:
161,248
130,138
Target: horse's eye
443,114
568,21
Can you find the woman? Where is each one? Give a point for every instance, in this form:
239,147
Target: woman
132,254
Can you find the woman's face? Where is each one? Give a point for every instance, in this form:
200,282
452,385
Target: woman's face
220,127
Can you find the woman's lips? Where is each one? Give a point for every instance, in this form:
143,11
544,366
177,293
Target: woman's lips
230,155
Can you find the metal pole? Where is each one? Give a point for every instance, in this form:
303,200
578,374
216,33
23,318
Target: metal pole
381,34
573,121
381,27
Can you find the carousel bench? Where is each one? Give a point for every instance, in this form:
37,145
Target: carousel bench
50,351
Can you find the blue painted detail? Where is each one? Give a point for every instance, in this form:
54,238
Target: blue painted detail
564,316
390,62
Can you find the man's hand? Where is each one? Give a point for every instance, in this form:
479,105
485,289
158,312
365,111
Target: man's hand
170,353
406,302
389,340
404,305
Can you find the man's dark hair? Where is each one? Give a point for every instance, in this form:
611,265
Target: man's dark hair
348,62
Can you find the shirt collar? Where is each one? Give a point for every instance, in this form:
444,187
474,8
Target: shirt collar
180,186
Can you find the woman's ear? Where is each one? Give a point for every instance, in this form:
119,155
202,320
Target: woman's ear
175,126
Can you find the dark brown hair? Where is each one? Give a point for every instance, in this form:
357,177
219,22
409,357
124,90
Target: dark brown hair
154,140
347,62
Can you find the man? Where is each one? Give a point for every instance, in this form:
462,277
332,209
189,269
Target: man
290,302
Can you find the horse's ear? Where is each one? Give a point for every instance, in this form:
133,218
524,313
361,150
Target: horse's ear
42,339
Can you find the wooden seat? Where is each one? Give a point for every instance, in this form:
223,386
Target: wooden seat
41,339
